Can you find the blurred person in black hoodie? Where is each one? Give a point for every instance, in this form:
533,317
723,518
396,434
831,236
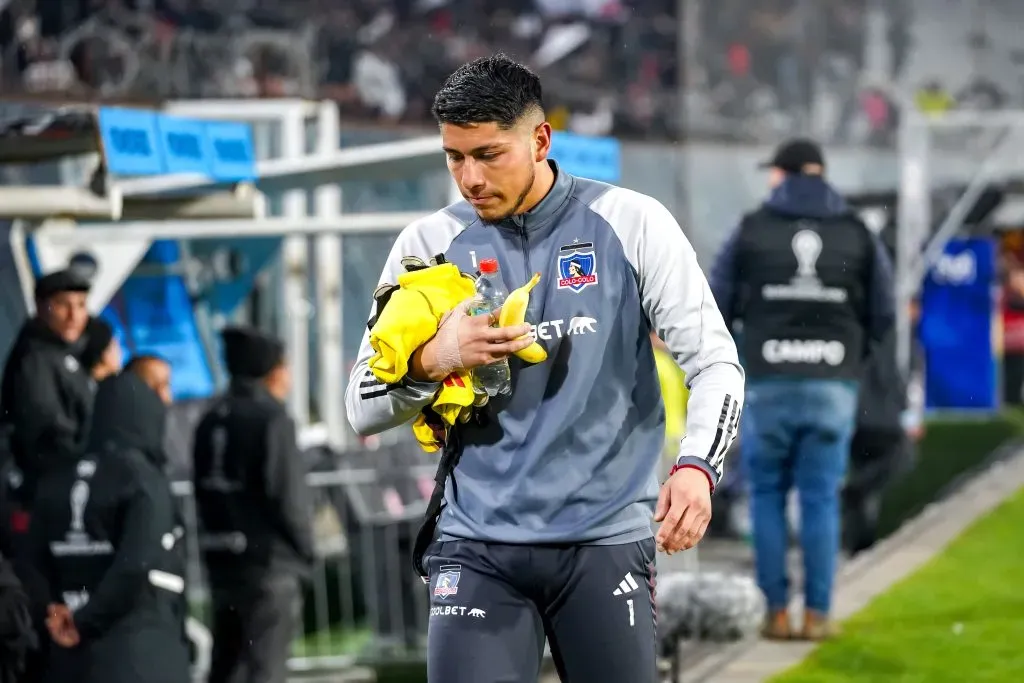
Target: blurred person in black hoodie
101,354
255,513
890,420
18,638
881,448
104,534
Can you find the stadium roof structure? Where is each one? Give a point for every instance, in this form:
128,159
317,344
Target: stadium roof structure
999,206
38,134
49,135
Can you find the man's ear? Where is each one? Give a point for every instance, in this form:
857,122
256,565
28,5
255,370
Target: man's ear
541,141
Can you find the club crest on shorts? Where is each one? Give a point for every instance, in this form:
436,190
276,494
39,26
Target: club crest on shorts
447,581
577,266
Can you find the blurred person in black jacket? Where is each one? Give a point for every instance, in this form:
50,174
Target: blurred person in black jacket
255,513
46,396
883,445
101,353
104,534
18,638
45,393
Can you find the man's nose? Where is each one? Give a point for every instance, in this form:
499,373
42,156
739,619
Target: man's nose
472,177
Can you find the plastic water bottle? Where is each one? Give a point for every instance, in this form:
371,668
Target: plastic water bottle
494,378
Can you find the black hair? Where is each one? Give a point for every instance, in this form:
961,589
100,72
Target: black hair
493,89
98,335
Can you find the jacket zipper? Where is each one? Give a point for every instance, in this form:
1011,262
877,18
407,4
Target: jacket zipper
526,252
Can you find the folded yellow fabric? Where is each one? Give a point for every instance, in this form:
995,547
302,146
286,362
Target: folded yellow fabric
455,400
428,438
453,403
411,317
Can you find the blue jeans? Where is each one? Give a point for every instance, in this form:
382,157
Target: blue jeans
797,433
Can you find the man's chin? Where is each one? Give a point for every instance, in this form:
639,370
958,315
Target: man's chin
493,215
70,337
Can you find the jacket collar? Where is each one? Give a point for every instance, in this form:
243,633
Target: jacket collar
548,208
251,388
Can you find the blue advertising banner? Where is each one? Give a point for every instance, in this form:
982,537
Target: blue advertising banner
185,145
959,317
131,141
137,142
588,157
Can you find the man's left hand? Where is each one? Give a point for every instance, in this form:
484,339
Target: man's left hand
684,510
61,625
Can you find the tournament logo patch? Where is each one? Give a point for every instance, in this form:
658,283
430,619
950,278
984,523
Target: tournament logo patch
447,581
577,266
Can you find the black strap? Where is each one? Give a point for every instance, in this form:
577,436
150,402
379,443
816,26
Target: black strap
450,456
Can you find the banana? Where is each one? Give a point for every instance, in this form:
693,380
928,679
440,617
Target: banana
513,312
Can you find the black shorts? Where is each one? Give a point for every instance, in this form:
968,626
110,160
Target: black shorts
492,605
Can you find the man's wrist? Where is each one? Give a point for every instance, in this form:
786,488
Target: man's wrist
690,466
422,367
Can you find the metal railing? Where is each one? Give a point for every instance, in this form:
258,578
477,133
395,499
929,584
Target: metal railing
364,602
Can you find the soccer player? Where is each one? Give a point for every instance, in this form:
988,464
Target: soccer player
546,529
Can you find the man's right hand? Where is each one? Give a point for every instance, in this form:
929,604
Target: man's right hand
477,342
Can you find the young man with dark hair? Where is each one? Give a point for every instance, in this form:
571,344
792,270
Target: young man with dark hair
546,529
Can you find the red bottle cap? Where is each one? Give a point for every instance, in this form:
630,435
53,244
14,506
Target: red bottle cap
489,266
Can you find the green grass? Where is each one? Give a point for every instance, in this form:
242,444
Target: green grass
952,446
334,642
958,619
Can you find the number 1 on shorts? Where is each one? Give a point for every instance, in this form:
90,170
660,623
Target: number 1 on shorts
632,615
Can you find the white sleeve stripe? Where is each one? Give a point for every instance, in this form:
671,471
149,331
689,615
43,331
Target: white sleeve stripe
726,434
721,434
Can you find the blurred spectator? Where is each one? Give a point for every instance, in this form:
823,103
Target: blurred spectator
813,290
933,99
1013,321
101,355
882,446
115,578
254,507
46,393
752,70
882,116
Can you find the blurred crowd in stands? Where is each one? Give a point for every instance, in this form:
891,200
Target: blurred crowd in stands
727,69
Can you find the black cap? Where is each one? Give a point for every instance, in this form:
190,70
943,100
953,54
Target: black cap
249,353
793,155
67,280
